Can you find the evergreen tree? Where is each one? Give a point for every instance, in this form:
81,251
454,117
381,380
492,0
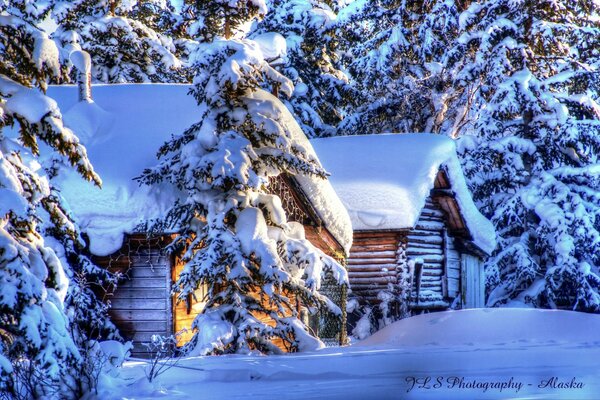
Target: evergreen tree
40,302
530,72
322,90
396,54
234,236
122,49
161,17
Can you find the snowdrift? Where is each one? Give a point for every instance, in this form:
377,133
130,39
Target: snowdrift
489,327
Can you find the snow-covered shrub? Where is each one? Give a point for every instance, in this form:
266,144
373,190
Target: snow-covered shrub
164,355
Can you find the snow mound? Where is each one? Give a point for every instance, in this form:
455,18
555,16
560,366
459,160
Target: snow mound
489,327
384,180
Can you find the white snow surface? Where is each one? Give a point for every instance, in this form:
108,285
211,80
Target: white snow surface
533,353
385,179
272,45
123,129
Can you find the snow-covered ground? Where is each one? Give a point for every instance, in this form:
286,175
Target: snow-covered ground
468,354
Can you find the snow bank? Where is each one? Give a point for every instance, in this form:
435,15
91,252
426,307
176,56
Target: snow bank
529,347
489,327
384,180
123,129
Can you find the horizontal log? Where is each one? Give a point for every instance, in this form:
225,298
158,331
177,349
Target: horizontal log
432,278
137,315
427,258
429,226
139,293
425,219
374,247
373,254
416,251
143,283
138,304
421,234
432,272
376,233
147,272
423,244
372,273
436,287
372,261
375,241
373,280
377,267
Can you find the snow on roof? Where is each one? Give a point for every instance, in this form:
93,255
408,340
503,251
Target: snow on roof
384,180
122,130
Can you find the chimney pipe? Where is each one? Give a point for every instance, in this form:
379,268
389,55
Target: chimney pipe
82,62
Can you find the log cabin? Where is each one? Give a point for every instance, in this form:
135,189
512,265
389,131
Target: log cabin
123,128
417,233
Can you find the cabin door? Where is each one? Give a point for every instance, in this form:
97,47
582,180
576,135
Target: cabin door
472,282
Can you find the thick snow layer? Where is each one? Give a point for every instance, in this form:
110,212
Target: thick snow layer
384,180
272,45
123,129
467,354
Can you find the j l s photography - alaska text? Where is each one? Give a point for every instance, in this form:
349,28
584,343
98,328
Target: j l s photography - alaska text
511,384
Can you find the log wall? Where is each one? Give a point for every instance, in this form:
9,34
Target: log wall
377,257
373,262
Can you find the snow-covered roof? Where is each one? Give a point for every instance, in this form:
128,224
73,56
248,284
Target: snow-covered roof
122,131
384,180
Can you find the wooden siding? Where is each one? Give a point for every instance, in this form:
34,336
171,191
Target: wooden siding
373,262
141,304
185,311
452,267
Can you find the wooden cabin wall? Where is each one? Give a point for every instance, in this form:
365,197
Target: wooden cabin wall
373,263
185,311
377,257
141,304
428,242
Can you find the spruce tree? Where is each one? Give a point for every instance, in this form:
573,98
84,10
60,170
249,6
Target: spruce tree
322,90
233,235
530,73
396,54
43,323
123,50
